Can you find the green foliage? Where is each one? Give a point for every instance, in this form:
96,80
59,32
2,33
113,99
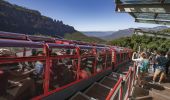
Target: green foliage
164,31
81,37
143,41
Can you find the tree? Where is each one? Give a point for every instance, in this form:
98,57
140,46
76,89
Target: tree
144,41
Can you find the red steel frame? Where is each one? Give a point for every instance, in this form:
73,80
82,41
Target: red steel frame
48,58
46,85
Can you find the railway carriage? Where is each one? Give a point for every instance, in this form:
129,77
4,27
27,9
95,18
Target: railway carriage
37,67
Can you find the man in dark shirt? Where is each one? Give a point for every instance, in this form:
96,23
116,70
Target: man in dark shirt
161,61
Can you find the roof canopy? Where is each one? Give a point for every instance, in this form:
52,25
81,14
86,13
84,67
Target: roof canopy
146,11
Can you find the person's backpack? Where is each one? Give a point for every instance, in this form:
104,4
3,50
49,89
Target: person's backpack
162,61
144,65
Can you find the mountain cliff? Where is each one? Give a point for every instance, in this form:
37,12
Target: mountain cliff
14,18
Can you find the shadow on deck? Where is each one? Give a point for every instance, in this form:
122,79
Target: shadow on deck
151,91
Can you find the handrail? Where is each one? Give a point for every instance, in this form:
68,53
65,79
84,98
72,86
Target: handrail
118,87
115,89
20,43
128,80
128,74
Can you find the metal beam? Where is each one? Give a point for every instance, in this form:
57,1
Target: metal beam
162,1
160,20
141,1
156,15
145,8
133,15
152,21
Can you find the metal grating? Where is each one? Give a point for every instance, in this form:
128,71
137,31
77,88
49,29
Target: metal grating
97,91
109,82
80,96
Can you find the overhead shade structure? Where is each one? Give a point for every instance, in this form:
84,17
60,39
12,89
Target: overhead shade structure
152,6
146,11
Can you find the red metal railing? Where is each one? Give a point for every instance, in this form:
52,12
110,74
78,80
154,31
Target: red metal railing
115,90
47,58
122,89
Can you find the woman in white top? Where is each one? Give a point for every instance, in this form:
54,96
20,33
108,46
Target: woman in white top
142,63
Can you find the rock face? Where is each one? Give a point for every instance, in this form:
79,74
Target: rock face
18,19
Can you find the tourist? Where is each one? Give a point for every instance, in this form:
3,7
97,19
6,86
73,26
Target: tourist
3,82
11,75
161,61
142,63
39,65
152,59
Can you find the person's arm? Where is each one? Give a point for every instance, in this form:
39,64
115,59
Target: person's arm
14,73
17,74
137,60
15,83
28,72
133,57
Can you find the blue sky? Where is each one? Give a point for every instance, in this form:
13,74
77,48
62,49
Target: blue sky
84,15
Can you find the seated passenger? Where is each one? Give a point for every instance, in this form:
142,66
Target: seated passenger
85,71
3,82
15,80
99,64
83,74
88,71
99,68
84,52
59,52
39,65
